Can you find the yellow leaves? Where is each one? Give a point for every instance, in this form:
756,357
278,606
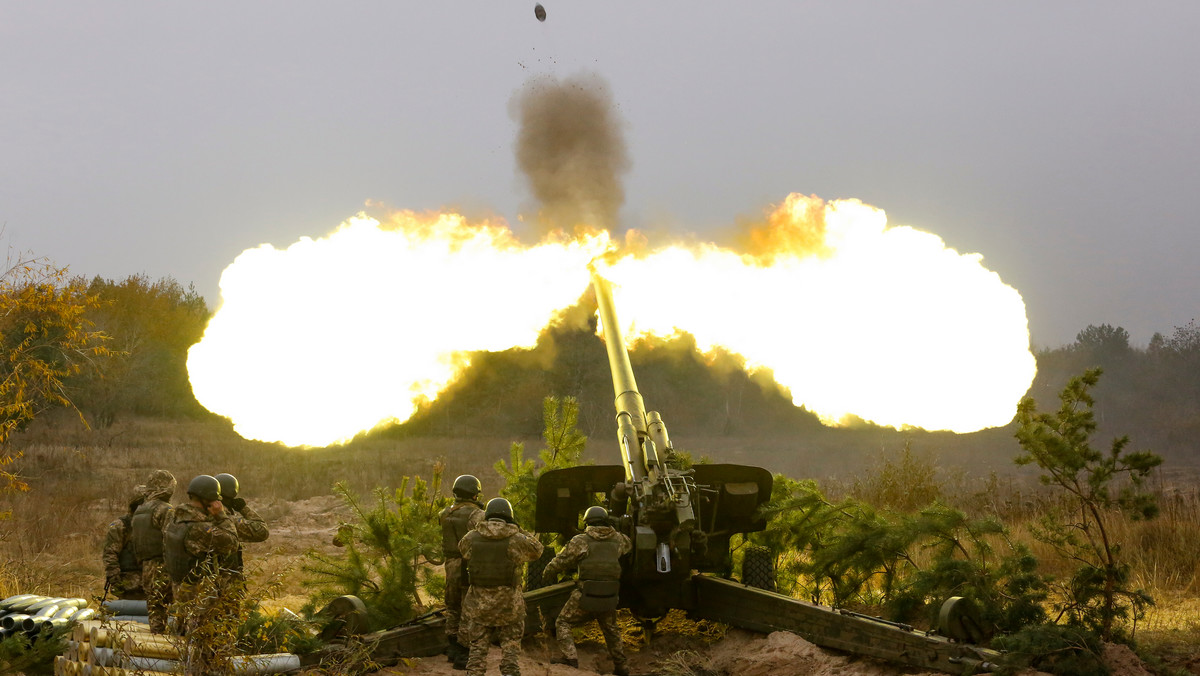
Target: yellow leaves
44,339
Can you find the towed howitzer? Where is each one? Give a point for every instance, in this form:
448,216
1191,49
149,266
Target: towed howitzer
681,521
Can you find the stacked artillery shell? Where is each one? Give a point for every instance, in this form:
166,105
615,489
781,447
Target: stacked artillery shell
157,647
111,648
35,615
125,607
97,647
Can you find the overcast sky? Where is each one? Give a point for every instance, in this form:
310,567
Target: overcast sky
1058,139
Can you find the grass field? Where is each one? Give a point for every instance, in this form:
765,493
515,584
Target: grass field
80,480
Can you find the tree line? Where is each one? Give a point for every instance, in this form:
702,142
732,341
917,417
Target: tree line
1149,393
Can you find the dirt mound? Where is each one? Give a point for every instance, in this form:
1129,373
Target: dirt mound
1122,660
739,653
782,654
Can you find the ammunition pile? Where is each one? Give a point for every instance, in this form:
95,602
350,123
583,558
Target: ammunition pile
36,615
116,648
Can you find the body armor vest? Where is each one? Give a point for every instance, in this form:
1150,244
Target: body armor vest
127,559
147,540
179,562
602,561
455,525
490,564
600,576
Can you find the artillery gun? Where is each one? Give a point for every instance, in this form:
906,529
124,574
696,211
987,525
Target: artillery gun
680,522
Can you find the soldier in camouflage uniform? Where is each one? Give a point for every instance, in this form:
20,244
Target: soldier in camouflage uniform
249,525
122,573
495,552
457,520
596,552
147,526
200,545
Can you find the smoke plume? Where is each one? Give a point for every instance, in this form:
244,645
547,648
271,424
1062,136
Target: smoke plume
571,150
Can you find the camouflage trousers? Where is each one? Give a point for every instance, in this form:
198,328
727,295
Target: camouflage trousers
207,614
571,615
156,584
479,639
454,595
128,585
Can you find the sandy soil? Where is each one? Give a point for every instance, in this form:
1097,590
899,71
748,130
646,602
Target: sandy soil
739,653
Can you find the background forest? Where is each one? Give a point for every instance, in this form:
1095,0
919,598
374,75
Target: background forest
1150,394
865,517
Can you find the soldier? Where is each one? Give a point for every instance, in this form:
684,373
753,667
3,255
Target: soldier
122,574
147,524
596,552
457,520
495,552
249,525
198,544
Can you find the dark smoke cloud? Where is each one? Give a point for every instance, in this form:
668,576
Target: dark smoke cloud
571,150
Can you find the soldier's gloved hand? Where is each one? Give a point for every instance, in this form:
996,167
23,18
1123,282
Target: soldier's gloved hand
238,503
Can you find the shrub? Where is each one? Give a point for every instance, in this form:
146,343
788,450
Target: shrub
384,551
1098,593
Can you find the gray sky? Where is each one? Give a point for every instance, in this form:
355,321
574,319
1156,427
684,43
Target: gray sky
1060,140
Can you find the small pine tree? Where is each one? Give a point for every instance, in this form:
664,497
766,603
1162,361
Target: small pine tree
1095,484
905,564
384,551
564,448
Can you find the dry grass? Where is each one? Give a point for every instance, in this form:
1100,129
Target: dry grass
80,480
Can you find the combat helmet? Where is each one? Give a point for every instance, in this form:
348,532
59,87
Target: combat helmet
205,487
160,484
499,508
467,486
596,516
229,486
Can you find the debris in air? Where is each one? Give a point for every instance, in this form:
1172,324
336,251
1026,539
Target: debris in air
539,12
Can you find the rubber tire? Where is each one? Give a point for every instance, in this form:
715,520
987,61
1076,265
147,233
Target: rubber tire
758,568
533,572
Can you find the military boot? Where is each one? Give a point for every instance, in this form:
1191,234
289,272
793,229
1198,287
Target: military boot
460,657
621,671
452,646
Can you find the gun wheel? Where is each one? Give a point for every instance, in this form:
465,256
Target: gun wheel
533,571
758,568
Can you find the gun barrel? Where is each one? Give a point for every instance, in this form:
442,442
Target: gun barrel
639,460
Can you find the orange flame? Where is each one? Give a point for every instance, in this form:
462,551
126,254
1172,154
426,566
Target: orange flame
335,336
330,337
881,323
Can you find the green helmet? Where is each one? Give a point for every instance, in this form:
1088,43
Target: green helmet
467,486
229,486
205,487
596,516
499,508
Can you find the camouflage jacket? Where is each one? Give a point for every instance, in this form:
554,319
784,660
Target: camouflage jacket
249,525
577,548
498,606
207,535
116,539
